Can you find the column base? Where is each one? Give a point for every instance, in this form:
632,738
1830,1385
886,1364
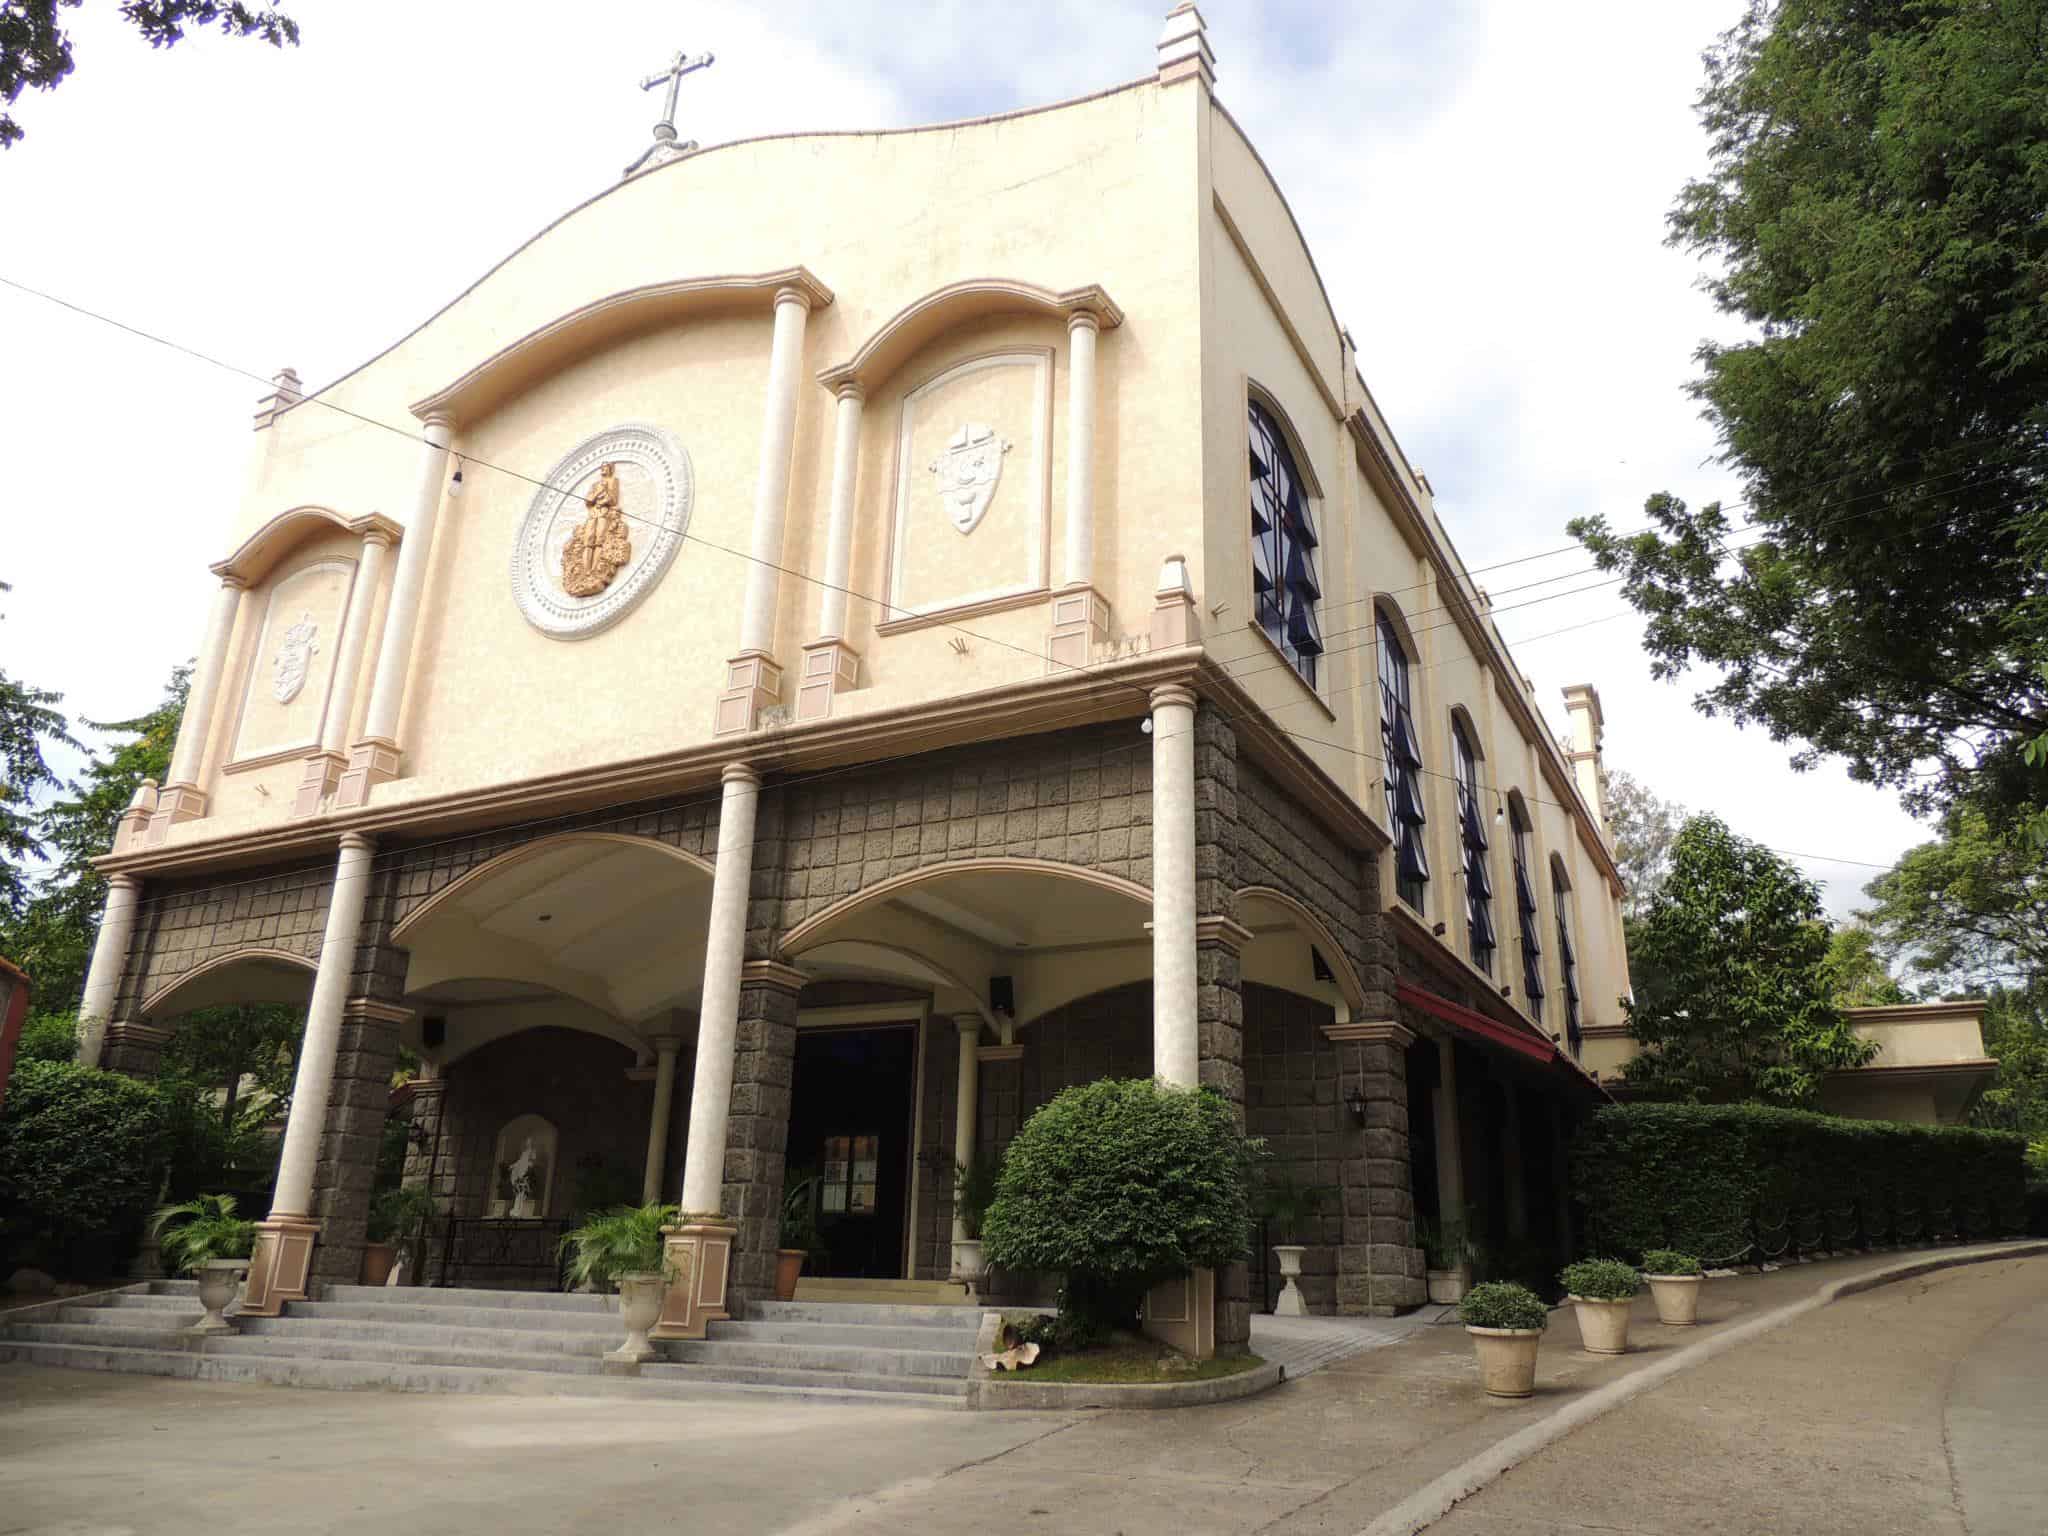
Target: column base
698,1256
282,1264
753,685
1182,1312
175,803
371,761
831,667
1080,620
320,778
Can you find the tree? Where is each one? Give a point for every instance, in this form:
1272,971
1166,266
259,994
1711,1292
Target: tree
1966,911
2015,1028
1872,212
50,932
29,725
1856,974
1644,828
1736,1004
36,51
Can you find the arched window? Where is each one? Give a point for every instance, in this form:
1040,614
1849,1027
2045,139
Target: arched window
1567,956
1284,586
1525,912
1402,751
1472,842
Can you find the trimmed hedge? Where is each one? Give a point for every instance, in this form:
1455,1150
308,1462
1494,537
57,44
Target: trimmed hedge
1739,1181
82,1154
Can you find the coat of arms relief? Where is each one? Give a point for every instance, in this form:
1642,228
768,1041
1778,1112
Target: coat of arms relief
294,658
967,470
600,547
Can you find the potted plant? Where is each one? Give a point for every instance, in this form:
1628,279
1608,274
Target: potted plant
974,1191
797,1231
1675,1285
204,1237
1601,1291
1292,1207
1506,1322
396,1217
623,1247
1447,1251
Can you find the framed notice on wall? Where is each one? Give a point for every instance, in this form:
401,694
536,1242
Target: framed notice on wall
847,1184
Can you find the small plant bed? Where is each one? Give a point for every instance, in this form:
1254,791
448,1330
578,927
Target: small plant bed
1127,1359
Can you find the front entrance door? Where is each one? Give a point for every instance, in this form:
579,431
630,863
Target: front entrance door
850,1124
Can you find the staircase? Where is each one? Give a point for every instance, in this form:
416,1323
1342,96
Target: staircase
530,1342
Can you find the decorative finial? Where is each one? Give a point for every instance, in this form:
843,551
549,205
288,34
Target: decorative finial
285,392
1184,52
665,148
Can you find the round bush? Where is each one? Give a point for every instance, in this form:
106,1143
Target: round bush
1601,1279
81,1154
1120,1184
1669,1261
1503,1304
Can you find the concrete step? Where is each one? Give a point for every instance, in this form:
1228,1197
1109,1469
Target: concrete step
131,1301
456,1296
340,1375
931,1293
491,1355
958,1319
775,1376
847,1358
508,1318
578,1342
860,1335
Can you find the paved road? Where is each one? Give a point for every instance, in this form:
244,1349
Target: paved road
1919,1409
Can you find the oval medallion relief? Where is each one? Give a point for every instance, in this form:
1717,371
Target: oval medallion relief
602,531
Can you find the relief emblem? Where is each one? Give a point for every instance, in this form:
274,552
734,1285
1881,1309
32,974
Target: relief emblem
967,469
600,547
294,658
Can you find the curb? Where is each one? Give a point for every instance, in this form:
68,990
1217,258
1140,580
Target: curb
1424,1508
995,1397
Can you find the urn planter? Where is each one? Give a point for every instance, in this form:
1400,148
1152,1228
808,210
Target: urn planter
1289,1302
1603,1325
639,1307
1448,1285
379,1259
219,1280
1677,1298
789,1264
967,1260
1507,1359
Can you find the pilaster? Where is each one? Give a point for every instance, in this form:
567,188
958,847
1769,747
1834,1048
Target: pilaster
757,1130
1379,1268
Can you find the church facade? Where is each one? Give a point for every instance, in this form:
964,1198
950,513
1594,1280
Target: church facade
832,641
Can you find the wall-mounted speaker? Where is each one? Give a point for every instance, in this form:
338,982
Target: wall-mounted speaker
1002,994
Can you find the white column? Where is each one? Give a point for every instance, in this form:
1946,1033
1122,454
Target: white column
771,483
315,1081
1176,1038
665,1048
190,753
969,1025
725,934
355,637
839,535
109,960
401,619
1082,328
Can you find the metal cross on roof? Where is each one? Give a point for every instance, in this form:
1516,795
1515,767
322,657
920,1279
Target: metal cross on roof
665,146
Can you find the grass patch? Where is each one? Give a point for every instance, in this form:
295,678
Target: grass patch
1130,1360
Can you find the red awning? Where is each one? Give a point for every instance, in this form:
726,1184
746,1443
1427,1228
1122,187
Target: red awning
1489,1030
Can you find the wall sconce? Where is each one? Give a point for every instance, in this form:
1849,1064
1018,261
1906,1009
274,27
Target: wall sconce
1355,1102
1437,929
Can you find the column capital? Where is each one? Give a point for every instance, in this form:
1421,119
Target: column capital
668,1043
358,842
1169,694
230,582
124,882
1083,320
1222,930
1371,1032
969,1025
850,391
793,295
740,773
772,973
437,418
379,536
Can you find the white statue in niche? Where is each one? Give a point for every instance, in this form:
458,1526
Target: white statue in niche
294,658
527,1172
967,469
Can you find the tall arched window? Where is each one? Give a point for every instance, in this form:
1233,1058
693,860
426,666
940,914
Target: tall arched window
1567,956
1472,842
1525,912
1402,751
1284,586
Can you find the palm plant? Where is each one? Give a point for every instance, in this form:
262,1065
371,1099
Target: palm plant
974,1191
626,1240
399,1215
797,1228
205,1227
1290,1205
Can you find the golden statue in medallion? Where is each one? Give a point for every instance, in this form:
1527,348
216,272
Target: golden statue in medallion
599,548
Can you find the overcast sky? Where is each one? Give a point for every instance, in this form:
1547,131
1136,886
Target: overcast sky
1483,183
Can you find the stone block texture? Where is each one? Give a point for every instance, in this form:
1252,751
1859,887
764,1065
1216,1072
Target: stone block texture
757,1133
356,1109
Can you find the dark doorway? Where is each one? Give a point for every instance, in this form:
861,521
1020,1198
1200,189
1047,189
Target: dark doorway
850,1124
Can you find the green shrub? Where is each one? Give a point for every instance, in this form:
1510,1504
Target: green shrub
1119,1184
1601,1280
1693,1177
1502,1304
202,1228
1444,1242
625,1241
1292,1207
81,1156
47,1037
398,1215
1669,1261
974,1191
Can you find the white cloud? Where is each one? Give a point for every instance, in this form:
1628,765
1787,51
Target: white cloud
1483,185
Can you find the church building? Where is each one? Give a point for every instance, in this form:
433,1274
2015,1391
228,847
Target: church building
832,641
